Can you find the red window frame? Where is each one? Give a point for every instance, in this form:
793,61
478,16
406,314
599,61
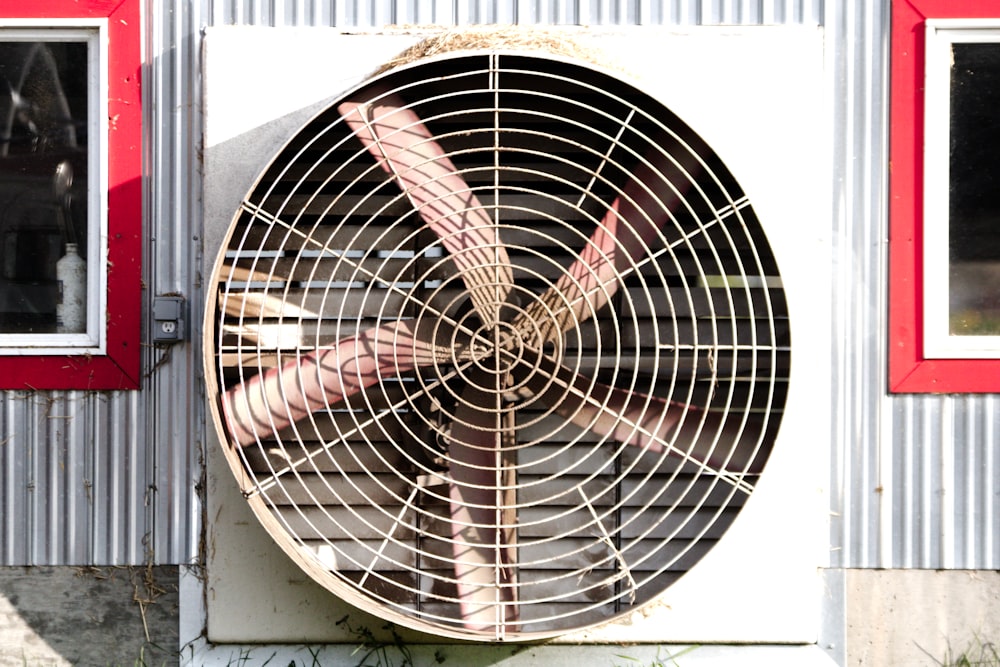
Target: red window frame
119,367
909,370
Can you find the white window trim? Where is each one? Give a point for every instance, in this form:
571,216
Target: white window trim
95,33
941,34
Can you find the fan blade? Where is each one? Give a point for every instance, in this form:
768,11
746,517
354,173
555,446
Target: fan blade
481,517
404,148
705,437
620,240
266,403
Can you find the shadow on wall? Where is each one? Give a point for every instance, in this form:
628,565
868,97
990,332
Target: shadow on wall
88,616
297,609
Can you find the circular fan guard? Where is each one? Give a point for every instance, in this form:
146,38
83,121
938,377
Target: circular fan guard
499,345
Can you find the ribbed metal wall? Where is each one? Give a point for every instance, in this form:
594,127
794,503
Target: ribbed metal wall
915,478
75,478
378,13
112,478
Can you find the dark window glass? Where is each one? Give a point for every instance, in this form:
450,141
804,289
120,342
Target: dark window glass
43,186
974,191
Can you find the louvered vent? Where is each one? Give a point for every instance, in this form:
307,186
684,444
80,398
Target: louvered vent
499,348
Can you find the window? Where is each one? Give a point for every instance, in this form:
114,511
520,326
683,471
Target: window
962,191
70,194
944,214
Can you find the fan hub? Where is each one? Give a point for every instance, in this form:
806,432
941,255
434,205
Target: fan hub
510,352
498,348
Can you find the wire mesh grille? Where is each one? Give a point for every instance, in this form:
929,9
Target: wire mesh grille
500,348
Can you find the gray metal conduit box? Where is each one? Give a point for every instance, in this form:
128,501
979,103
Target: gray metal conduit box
169,319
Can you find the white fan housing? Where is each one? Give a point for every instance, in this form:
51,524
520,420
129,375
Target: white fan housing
752,97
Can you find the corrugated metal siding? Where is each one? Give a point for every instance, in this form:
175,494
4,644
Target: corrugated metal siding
110,478
74,484
366,14
174,394
856,66
934,502
915,479
114,478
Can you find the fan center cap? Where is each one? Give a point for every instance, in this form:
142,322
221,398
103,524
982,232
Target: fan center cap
498,348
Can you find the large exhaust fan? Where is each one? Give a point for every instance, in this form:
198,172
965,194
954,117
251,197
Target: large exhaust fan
498,348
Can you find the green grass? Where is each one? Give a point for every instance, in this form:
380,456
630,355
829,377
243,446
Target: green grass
977,654
658,661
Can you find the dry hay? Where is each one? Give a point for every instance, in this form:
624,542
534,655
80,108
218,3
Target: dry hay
497,38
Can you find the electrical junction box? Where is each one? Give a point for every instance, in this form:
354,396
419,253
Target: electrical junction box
169,319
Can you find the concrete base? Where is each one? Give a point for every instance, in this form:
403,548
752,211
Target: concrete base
130,616
88,616
921,617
